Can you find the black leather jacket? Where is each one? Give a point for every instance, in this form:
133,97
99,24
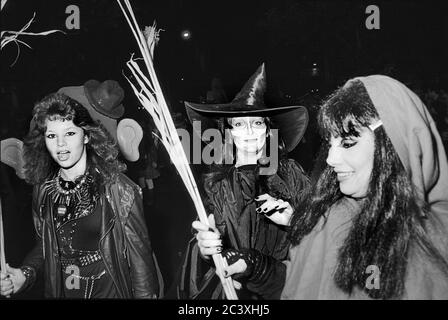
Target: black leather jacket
124,243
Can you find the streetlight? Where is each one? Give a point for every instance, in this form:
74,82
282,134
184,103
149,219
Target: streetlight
185,34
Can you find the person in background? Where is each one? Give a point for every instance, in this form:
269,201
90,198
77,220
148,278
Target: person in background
216,94
148,162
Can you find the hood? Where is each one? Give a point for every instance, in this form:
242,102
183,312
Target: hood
414,135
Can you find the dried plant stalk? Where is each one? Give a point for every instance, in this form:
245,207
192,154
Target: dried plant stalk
2,242
12,36
150,94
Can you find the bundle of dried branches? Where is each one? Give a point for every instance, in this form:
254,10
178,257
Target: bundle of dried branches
149,93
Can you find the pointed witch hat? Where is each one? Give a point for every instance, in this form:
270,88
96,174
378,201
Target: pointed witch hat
291,121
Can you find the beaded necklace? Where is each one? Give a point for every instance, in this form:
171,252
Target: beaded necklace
65,195
73,199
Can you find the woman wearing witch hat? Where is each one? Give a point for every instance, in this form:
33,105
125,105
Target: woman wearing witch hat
247,196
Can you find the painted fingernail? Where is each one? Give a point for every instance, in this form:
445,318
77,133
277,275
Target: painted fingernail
226,274
210,229
270,212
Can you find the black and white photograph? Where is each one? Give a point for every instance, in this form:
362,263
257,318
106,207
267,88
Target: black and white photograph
210,151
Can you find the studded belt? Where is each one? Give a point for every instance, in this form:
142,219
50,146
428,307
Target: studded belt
81,261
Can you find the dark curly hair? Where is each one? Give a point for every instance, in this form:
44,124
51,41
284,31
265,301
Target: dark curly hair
392,222
101,149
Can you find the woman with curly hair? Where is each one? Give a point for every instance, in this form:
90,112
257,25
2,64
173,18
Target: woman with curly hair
92,240
375,221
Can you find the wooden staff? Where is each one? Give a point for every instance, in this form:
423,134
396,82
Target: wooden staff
2,242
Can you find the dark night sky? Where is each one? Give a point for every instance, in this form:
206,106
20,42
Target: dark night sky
229,39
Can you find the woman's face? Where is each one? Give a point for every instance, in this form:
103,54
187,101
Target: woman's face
352,161
249,134
66,143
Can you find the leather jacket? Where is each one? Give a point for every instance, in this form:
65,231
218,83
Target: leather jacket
124,242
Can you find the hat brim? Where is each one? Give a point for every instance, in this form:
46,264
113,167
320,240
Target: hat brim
291,121
89,87
235,109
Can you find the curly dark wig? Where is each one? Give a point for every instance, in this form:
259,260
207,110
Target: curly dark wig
101,149
391,224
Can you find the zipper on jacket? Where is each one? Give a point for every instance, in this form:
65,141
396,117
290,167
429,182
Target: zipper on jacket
102,238
124,253
42,230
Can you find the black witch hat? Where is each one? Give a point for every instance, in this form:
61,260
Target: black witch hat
291,121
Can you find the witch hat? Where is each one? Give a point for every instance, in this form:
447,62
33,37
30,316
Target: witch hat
291,121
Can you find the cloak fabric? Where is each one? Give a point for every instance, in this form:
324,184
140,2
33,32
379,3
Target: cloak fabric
407,122
231,200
